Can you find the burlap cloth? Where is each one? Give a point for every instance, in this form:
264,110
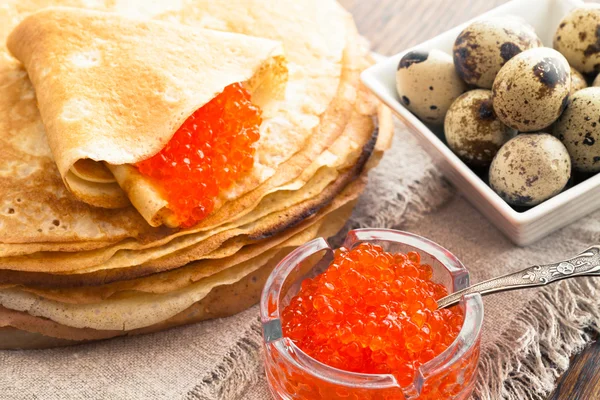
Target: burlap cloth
527,341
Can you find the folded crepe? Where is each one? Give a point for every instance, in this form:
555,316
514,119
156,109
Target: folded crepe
112,91
38,214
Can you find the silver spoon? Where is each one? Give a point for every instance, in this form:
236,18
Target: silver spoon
584,264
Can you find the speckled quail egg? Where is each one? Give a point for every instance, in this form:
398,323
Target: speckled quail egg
578,38
532,89
596,81
427,84
485,46
472,129
578,81
529,169
579,129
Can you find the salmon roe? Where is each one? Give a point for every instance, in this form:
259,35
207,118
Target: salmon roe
374,312
208,153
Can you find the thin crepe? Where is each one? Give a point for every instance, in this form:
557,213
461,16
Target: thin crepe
135,309
114,90
37,198
221,301
173,280
19,330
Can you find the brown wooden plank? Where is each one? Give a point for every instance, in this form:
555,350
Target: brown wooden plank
582,379
394,25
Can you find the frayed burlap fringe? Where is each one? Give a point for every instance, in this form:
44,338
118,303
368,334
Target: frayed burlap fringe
526,360
239,369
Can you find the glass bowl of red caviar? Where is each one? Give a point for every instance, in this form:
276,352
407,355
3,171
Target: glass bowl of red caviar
358,322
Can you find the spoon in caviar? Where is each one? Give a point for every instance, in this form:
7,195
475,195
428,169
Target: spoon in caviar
584,264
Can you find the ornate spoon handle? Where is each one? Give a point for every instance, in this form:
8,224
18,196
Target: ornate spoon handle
584,264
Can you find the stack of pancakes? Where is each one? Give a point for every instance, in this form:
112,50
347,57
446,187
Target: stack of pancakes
73,270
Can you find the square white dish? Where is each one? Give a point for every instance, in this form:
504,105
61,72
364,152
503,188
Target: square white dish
524,227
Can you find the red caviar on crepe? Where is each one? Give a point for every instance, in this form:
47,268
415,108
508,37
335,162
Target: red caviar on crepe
206,155
160,115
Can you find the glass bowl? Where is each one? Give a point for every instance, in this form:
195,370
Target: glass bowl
292,374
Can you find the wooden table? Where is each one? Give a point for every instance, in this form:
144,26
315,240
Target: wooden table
394,25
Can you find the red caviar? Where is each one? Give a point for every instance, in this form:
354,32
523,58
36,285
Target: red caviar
208,153
372,311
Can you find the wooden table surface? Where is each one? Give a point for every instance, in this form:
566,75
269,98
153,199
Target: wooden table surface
394,25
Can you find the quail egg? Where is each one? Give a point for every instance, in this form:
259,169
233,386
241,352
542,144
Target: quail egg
485,46
579,129
472,129
529,169
427,84
578,81
578,38
532,89
596,81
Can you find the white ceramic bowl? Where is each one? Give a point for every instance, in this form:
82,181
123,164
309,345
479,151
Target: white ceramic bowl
525,227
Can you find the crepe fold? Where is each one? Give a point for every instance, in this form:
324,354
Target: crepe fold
112,91
38,214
